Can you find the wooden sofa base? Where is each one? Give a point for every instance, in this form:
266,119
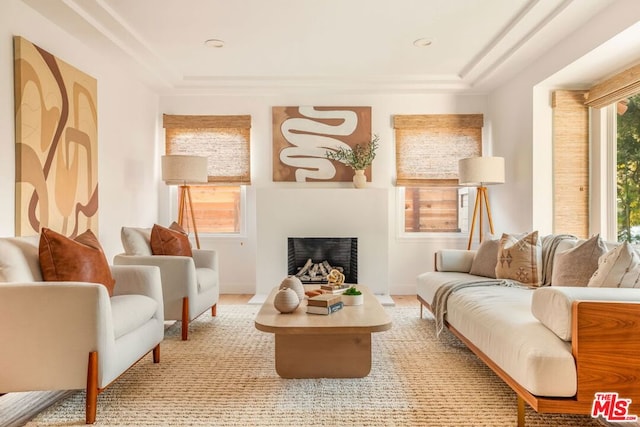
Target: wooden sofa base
606,347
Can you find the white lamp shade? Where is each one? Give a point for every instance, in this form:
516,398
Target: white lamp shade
181,169
481,171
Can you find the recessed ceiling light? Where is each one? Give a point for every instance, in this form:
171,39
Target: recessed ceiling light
214,43
422,42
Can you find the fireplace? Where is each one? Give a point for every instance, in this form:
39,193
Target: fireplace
324,252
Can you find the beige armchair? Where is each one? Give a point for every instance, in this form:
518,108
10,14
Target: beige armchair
73,335
190,285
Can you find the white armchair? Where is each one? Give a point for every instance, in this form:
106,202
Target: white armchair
190,285
72,335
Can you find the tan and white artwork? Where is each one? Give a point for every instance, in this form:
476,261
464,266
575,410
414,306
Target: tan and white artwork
56,144
302,136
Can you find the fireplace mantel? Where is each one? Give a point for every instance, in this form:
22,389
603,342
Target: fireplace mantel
320,212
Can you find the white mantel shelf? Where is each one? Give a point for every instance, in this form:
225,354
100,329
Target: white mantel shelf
323,212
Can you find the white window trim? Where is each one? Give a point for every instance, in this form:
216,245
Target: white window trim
611,178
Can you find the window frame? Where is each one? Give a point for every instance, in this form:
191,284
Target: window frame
443,236
241,233
455,125
221,122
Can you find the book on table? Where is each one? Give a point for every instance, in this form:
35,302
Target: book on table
324,300
313,309
335,289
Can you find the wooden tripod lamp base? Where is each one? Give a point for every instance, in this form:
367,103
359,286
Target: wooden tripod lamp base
482,199
185,211
181,170
479,172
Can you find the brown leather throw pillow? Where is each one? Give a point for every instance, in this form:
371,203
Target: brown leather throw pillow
74,260
170,241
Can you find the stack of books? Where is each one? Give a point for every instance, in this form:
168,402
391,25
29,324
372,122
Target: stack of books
324,304
334,289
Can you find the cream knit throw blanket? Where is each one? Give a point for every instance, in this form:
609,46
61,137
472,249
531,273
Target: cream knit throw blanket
439,304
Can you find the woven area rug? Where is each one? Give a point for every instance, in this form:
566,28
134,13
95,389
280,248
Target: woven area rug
224,376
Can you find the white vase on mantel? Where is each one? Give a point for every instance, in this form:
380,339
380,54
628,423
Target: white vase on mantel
359,179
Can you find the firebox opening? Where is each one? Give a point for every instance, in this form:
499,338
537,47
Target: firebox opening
322,253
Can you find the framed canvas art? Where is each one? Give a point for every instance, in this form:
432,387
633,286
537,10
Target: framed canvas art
56,144
302,136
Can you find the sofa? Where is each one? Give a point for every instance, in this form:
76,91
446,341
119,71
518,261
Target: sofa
73,334
556,344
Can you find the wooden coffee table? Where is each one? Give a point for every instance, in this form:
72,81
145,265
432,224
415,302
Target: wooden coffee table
318,346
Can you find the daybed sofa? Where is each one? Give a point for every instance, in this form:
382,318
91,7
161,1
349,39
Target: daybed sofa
555,346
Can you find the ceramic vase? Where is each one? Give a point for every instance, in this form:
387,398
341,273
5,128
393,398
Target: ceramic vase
359,179
352,299
286,300
292,282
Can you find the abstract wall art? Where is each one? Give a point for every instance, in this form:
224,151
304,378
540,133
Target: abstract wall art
56,144
302,136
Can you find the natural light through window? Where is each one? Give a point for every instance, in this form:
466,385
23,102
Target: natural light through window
628,169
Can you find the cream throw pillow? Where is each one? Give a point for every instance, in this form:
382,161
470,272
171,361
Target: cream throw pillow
618,268
136,241
574,267
520,258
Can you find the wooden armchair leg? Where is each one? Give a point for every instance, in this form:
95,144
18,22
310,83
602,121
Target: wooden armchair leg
156,354
214,310
185,318
92,388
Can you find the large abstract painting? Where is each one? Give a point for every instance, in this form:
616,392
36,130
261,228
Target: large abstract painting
302,136
56,144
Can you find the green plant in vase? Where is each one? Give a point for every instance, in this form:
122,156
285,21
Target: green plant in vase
358,158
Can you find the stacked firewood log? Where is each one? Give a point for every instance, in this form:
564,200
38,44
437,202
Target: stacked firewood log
316,271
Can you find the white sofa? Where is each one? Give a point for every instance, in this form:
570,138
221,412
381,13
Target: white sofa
555,346
72,335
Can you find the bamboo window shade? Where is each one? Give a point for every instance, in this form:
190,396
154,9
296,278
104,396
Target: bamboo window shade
614,89
224,140
428,147
570,163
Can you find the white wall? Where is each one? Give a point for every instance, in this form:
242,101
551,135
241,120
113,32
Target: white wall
131,142
520,115
407,257
127,126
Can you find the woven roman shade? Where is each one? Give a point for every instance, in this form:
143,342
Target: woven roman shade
224,140
570,163
428,147
614,89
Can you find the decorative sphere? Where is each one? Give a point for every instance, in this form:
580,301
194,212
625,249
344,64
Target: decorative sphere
292,282
286,300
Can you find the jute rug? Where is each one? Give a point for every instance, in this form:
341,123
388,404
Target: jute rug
224,376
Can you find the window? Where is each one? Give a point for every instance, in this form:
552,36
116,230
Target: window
621,93
628,169
428,148
224,140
